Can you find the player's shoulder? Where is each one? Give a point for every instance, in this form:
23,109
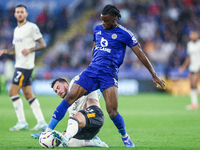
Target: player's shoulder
124,30
98,27
31,24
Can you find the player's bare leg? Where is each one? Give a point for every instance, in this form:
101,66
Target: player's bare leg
194,77
111,97
75,93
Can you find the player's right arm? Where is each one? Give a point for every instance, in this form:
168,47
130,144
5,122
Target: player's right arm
10,51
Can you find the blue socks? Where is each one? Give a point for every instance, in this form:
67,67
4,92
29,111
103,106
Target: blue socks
119,123
58,114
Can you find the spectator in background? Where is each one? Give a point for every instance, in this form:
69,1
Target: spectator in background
176,58
42,19
7,30
62,19
174,19
193,61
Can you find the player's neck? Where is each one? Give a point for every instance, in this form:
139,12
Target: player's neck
114,26
194,40
19,24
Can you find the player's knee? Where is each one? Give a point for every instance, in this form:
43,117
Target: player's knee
28,95
112,113
193,86
11,93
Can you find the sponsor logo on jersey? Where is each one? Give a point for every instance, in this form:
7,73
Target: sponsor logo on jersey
114,36
102,49
104,42
18,40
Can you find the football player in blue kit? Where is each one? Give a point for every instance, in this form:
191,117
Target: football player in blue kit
110,41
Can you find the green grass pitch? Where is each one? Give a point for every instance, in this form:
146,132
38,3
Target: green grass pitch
155,121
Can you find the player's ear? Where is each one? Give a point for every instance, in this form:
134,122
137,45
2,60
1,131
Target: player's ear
26,14
66,84
115,19
15,15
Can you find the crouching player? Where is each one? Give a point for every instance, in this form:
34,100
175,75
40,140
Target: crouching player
83,124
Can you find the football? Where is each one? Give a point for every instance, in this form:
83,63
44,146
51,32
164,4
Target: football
47,140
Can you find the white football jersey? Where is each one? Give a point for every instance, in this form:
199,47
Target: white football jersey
24,38
193,50
81,102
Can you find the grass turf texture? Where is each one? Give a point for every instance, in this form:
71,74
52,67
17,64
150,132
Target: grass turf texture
154,121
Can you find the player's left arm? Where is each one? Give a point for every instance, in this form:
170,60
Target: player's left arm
143,58
41,44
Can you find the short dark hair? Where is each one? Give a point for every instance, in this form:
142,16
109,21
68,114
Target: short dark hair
111,10
20,5
59,80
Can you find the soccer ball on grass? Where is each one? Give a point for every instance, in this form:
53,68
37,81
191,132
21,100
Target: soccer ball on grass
47,140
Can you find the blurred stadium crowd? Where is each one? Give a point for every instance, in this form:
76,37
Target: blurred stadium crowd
161,27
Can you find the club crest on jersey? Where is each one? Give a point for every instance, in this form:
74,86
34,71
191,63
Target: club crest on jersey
104,42
114,36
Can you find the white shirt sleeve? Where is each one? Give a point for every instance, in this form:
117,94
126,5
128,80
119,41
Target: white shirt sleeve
36,32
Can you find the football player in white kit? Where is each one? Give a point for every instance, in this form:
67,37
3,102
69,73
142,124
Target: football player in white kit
85,118
193,61
24,46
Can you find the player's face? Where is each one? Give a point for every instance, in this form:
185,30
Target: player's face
20,14
108,22
194,36
61,88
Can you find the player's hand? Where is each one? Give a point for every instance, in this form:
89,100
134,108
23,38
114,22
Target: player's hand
2,52
26,51
181,69
158,81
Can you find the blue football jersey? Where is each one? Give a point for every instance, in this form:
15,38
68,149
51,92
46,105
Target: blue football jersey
110,47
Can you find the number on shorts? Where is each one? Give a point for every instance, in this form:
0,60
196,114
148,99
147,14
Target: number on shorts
89,110
19,73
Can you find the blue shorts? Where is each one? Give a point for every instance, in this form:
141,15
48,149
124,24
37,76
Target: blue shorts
22,77
92,79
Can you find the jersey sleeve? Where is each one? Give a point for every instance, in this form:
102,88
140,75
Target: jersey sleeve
187,50
36,33
94,34
131,39
13,41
